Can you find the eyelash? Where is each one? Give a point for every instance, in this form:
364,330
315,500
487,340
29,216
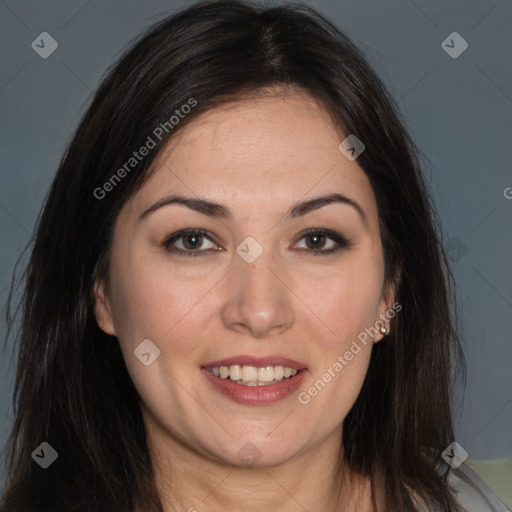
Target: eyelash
332,235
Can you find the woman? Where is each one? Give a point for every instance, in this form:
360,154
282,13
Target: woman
237,298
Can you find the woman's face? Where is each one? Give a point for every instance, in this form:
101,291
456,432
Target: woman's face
248,288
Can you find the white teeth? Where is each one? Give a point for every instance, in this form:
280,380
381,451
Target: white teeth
266,374
253,376
249,373
235,372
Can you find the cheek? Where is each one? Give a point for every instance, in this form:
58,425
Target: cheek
153,303
150,301
348,305
348,301
167,306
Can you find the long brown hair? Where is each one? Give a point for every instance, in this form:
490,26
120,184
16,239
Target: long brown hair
72,386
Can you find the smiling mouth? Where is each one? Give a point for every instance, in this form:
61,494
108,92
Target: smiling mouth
245,375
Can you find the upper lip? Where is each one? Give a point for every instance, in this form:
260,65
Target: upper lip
258,362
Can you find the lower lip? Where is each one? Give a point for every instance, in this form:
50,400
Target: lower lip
256,395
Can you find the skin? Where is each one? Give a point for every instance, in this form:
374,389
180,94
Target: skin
258,158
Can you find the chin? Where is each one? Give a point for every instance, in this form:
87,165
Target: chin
257,452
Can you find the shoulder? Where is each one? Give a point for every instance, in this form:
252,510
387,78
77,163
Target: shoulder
472,492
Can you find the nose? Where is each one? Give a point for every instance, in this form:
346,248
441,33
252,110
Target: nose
258,303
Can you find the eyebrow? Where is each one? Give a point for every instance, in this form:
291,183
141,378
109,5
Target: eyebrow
220,211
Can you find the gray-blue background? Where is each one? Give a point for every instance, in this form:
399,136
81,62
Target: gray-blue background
458,110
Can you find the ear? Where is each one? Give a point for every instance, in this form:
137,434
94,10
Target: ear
386,311
102,309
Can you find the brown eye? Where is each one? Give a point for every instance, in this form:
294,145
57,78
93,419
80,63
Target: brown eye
323,242
190,242
315,241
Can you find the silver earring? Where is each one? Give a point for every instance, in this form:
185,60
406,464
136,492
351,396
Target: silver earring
384,330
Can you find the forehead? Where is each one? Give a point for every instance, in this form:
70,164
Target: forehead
258,153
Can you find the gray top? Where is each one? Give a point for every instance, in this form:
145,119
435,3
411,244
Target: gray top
472,492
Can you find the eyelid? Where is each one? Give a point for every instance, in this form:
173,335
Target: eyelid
324,231
167,244
338,238
341,241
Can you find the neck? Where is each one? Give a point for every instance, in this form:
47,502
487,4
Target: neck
189,481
